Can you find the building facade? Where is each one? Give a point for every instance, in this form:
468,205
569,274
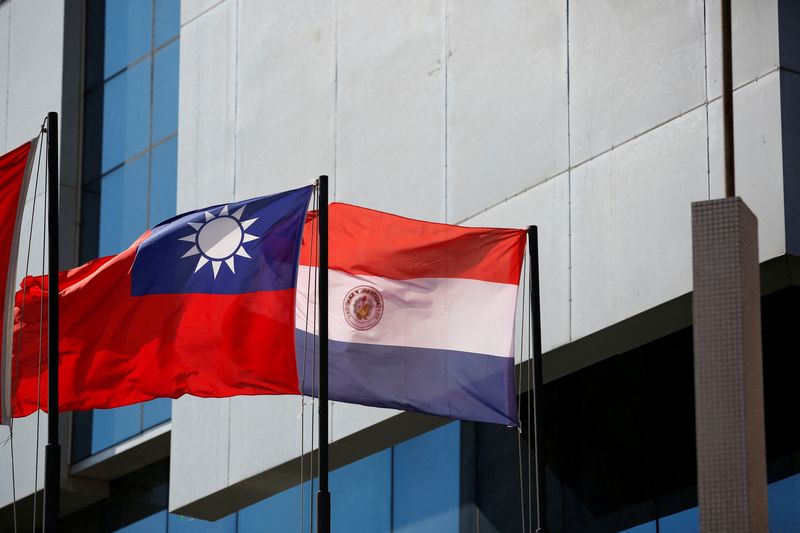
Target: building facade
598,121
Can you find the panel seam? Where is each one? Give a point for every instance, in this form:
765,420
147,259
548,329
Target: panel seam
202,13
705,78
335,96
446,46
235,96
569,184
613,147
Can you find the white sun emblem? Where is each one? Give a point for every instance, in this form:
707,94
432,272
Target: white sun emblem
219,239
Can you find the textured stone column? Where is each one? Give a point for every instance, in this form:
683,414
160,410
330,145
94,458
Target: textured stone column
729,395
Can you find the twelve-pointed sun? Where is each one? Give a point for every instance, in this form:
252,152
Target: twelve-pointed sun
219,238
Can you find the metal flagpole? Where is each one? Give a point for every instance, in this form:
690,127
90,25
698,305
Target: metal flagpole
536,329
727,99
323,496
52,484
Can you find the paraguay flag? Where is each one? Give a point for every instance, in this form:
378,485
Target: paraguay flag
202,304
421,315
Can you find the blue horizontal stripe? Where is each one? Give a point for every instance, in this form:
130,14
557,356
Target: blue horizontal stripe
449,383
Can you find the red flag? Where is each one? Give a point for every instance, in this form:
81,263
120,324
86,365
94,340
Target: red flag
202,304
15,169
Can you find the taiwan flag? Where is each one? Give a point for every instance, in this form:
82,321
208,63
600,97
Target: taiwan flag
202,304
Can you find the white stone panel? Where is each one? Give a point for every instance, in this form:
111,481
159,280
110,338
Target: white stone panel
199,448
390,130
545,206
32,233
30,86
35,58
631,225
27,476
5,28
348,418
506,101
192,9
758,158
206,124
246,436
285,95
265,433
633,65
754,40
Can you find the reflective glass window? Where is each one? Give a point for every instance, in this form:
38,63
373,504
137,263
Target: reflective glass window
163,186
126,112
123,206
155,412
687,521
426,482
155,523
281,512
129,160
363,495
649,527
784,505
185,524
165,92
110,426
128,32
168,21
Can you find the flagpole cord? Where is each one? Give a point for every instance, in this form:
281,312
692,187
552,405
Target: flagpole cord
520,392
41,327
38,156
312,258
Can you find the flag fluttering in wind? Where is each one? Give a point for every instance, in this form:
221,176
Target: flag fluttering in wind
15,171
202,304
421,315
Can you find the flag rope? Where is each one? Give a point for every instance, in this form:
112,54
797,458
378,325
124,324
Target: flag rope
10,439
303,373
41,334
519,395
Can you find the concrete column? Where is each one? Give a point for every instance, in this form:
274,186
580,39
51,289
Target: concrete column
729,396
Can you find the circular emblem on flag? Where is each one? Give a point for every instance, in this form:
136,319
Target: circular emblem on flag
363,307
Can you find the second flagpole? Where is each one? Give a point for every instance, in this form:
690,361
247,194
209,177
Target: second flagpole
538,381
323,496
52,466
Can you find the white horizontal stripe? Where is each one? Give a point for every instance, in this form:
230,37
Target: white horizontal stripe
439,313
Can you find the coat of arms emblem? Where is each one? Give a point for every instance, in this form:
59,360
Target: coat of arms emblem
363,307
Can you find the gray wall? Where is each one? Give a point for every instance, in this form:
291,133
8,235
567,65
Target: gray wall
32,61
30,85
599,121
31,33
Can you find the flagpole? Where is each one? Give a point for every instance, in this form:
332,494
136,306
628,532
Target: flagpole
727,99
323,496
52,483
536,327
